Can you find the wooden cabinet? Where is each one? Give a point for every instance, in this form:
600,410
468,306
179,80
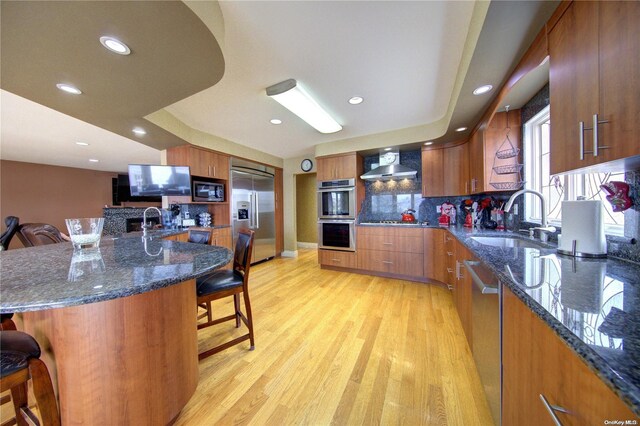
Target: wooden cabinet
434,256
484,145
222,237
202,162
593,80
445,171
391,250
462,290
184,237
342,259
537,362
346,166
450,245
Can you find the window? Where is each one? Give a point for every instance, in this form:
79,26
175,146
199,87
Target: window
558,188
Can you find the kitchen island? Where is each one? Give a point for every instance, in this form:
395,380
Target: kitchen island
117,325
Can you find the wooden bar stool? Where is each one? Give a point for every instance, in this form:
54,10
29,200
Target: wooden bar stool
227,283
19,363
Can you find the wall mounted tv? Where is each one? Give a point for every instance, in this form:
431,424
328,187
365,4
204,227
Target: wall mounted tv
154,181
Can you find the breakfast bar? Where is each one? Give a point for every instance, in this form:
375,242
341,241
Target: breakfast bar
116,325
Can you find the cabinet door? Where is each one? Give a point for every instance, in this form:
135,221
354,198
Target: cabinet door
200,162
324,168
536,362
432,177
338,167
573,85
462,290
495,139
619,55
450,246
434,257
455,168
476,162
218,166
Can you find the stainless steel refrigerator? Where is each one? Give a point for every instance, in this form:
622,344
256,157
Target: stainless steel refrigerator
253,207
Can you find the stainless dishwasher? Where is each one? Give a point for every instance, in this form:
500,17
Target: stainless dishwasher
486,316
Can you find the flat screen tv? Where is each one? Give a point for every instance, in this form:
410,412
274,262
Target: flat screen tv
153,181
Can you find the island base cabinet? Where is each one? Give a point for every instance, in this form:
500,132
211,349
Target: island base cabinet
341,259
126,361
536,362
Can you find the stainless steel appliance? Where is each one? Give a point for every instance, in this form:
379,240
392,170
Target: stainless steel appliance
207,191
337,199
253,206
486,317
337,235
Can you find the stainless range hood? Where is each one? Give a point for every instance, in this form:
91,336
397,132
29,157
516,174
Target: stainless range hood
390,168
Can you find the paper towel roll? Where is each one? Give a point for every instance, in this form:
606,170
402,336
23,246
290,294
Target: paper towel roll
583,222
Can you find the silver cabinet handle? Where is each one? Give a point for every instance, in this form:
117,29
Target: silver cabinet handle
466,186
458,270
581,133
449,253
551,409
595,134
484,289
449,271
387,244
335,260
388,262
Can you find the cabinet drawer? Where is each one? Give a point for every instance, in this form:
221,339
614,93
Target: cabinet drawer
409,264
413,244
389,231
344,259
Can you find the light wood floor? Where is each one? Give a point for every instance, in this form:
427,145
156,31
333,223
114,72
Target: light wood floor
339,348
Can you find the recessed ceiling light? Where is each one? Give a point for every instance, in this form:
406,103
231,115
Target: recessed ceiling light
275,121
139,131
483,89
82,143
356,100
93,160
68,88
428,143
115,45
461,129
387,149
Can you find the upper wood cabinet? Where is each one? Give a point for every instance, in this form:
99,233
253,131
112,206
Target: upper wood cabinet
445,171
594,53
483,148
536,362
346,166
202,162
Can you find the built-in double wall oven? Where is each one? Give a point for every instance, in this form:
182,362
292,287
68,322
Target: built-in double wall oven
337,215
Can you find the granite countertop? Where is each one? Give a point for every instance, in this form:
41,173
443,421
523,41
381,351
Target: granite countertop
54,276
593,305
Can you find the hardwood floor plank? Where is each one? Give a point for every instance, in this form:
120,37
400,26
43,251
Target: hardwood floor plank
339,348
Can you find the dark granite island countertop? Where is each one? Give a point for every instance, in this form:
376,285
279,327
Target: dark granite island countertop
593,305
55,275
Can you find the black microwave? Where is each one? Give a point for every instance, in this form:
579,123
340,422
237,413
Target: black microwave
207,191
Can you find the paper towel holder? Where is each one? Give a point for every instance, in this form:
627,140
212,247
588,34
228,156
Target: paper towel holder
575,253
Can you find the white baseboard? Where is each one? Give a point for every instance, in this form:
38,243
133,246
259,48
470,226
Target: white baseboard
302,245
290,253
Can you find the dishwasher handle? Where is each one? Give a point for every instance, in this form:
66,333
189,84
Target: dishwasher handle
484,289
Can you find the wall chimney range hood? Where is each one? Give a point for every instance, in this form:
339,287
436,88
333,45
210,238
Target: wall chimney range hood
390,168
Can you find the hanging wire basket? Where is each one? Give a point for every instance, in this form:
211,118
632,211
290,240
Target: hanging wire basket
508,153
508,186
508,169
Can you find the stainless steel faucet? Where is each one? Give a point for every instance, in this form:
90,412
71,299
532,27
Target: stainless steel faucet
544,228
144,220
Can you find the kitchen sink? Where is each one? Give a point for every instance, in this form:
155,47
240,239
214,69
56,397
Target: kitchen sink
506,242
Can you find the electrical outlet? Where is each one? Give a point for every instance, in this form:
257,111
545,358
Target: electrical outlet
515,209
438,209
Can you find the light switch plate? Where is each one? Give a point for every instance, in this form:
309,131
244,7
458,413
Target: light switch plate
438,209
515,209
188,222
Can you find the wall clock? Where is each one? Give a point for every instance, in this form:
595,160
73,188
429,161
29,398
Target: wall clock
306,165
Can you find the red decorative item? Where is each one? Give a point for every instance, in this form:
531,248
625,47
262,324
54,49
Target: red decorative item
618,195
443,220
468,221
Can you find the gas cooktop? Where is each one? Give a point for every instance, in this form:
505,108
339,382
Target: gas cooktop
393,223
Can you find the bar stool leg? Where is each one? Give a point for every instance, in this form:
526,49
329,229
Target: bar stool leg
43,390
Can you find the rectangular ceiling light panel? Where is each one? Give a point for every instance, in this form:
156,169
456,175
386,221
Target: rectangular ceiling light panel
294,98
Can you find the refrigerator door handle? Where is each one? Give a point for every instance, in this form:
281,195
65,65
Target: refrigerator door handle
257,210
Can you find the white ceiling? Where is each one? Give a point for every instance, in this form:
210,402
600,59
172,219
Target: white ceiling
401,57
33,133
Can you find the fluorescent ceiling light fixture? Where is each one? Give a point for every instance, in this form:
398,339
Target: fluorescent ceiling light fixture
483,89
139,131
294,98
428,143
275,121
461,129
82,143
115,45
356,100
69,88
93,160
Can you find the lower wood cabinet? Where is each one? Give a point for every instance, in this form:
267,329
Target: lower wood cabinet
342,259
536,362
391,250
434,255
184,237
462,289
